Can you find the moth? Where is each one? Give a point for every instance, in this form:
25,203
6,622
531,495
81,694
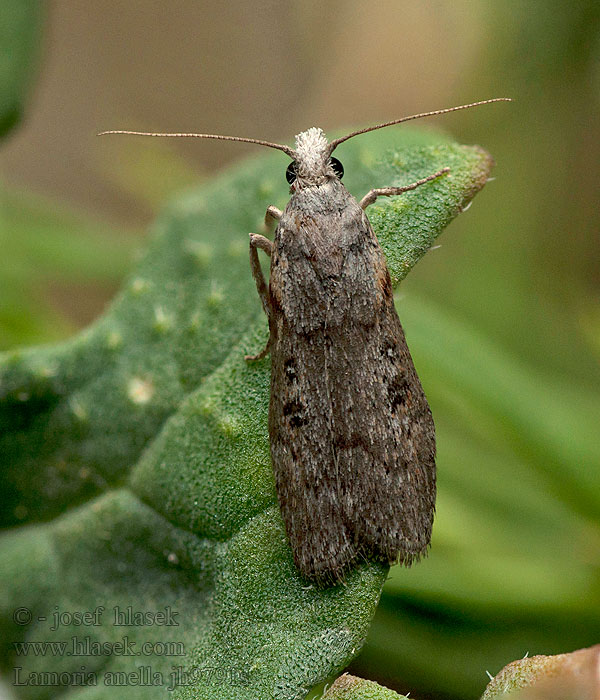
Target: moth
352,437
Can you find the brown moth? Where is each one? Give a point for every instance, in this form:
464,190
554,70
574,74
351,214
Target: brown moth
351,434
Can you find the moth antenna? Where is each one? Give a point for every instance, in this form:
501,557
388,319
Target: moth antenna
336,142
286,149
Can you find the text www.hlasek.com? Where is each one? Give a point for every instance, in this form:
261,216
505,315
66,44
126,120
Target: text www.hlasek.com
87,646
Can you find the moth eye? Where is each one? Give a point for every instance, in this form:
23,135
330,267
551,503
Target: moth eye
290,173
338,168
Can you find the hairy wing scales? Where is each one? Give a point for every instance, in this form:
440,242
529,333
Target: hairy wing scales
304,462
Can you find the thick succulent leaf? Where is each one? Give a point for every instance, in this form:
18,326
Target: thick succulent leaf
19,30
152,423
573,676
349,687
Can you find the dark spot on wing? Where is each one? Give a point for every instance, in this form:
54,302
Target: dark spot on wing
398,391
297,421
293,410
289,367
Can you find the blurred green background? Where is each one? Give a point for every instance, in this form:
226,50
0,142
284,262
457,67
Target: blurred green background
503,320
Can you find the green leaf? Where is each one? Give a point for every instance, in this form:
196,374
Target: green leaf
349,687
143,443
20,23
572,676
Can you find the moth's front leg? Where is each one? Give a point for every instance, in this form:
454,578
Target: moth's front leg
372,195
257,241
272,215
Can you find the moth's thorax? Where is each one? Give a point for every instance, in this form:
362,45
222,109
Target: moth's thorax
319,201
313,164
323,225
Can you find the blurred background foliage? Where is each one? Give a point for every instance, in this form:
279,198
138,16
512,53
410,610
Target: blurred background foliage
503,320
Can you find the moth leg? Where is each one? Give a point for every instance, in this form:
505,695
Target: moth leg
257,241
272,216
372,195
263,353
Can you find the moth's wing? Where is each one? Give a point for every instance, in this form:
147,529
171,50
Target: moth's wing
385,442
304,459
353,450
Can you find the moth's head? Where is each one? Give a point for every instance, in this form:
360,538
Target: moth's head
312,164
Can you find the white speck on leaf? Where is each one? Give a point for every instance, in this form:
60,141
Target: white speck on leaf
140,390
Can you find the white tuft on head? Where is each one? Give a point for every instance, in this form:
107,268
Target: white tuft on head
312,149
